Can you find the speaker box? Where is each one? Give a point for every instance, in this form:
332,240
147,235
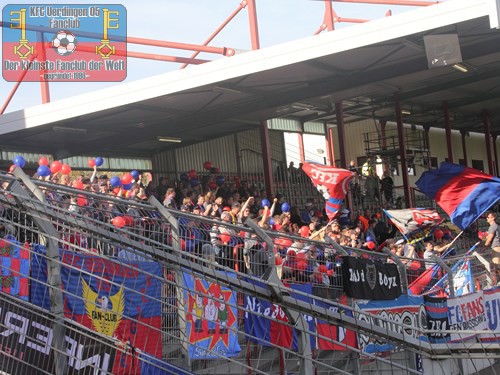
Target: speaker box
442,50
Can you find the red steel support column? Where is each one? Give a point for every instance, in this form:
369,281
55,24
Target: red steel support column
42,56
339,115
487,139
495,154
383,141
447,128
266,159
464,146
402,153
330,16
254,28
331,148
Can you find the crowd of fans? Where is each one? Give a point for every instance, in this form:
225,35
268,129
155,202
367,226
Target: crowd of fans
299,233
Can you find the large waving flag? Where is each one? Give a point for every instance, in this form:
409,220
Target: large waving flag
331,182
463,193
415,224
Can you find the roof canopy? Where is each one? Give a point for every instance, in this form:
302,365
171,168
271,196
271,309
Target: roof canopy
365,66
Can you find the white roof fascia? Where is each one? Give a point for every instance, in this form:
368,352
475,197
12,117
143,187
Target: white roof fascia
376,31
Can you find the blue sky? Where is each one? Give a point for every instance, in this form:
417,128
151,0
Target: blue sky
192,21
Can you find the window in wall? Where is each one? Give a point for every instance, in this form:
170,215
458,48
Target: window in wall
478,164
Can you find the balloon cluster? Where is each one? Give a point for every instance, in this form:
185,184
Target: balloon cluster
44,169
210,167
191,176
126,181
97,162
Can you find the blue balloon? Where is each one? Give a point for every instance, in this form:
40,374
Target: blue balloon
135,174
127,186
265,202
329,265
99,161
19,161
194,182
219,180
184,177
271,221
115,181
285,207
369,238
43,171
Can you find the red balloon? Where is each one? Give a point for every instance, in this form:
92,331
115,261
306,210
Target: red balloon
55,166
43,161
126,179
225,238
291,253
129,220
370,245
118,222
207,165
212,185
302,265
191,174
278,260
12,167
65,169
116,191
91,163
301,257
78,184
304,231
330,272
323,269
438,234
81,201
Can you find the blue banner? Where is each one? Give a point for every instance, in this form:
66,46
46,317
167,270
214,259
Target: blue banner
121,300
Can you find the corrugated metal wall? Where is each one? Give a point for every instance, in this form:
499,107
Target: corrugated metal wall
234,154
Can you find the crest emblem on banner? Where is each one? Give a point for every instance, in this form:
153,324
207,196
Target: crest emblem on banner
104,311
371,275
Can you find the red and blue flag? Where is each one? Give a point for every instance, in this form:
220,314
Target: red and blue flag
463,193
331,182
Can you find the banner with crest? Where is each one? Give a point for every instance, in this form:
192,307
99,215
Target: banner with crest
119,300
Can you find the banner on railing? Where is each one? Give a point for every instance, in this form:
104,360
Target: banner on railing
466,312
121,300
15,268
267,323
367,279
211,318
26,342
406,310
332,336
492,306
437,319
